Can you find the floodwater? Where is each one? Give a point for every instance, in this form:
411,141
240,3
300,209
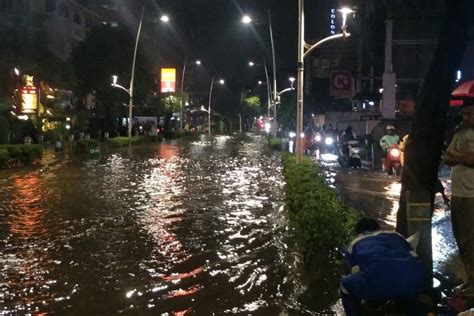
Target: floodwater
167,229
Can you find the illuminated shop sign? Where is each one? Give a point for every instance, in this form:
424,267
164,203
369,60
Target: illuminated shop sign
168,80
333,22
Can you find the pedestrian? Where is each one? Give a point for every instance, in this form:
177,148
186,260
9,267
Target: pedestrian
384,267
460,155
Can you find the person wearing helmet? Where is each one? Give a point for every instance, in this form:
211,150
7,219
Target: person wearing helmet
387,141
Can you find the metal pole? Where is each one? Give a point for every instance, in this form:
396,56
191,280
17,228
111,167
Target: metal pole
299,82
210,100
275,125
269,93
130,105
181,116
240,123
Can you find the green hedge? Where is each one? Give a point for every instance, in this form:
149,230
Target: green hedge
321,222
123,141
86,145
12,156
275,143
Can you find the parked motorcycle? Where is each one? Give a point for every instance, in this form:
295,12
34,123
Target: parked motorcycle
392,161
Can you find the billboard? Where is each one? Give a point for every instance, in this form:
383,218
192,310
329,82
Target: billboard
341,84
168,80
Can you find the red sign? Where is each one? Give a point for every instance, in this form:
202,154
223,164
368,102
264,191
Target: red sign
341,84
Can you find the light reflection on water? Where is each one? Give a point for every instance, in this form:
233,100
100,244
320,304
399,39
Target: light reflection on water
179,229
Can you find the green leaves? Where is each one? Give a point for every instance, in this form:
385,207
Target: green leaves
321,221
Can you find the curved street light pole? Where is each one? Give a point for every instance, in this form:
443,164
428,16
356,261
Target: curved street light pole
269,88
300,69
181,116
275,124
130,90
209,107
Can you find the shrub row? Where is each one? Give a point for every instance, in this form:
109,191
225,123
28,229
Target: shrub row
275,143
86,145
321,222
123,141
12,156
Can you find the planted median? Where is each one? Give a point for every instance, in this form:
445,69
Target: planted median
322,223
12,156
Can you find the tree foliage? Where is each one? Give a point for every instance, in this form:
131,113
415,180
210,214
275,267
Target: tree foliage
108,51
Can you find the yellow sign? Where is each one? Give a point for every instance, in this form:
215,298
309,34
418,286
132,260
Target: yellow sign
29,97
168,80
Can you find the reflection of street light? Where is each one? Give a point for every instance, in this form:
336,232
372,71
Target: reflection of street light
132,75
181,117
221,81
300,67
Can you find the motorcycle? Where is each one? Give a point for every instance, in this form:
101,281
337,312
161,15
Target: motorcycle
392,161
328,144
350,157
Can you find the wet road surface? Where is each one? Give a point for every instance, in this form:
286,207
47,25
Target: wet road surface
171,229
377,195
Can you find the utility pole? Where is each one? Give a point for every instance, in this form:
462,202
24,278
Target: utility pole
299,82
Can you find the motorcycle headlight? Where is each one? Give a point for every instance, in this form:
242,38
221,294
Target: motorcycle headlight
394,152
317,138
292,134
329,141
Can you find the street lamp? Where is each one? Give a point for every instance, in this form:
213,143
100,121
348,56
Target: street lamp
269,88
181,118
246,19
300,67
132,75
221,82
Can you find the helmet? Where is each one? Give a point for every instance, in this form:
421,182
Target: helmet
390,127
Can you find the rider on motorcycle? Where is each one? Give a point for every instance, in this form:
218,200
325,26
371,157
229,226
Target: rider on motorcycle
387,141
347,136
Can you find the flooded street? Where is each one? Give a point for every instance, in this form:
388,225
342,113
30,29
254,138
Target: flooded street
378,195
192,227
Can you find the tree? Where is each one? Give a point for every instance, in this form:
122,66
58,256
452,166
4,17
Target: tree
286,114
423,151
108,51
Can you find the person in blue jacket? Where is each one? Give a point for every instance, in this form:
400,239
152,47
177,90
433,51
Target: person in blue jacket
383,267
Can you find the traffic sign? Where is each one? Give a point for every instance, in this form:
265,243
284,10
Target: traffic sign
341,84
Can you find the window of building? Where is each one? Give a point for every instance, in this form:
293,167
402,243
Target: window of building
6,5
50,6
77,18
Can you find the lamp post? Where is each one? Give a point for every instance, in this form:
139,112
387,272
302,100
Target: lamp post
165,19
300,68
246,19
269,88
181,119
220,81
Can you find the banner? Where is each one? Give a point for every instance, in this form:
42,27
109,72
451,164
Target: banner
168,80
